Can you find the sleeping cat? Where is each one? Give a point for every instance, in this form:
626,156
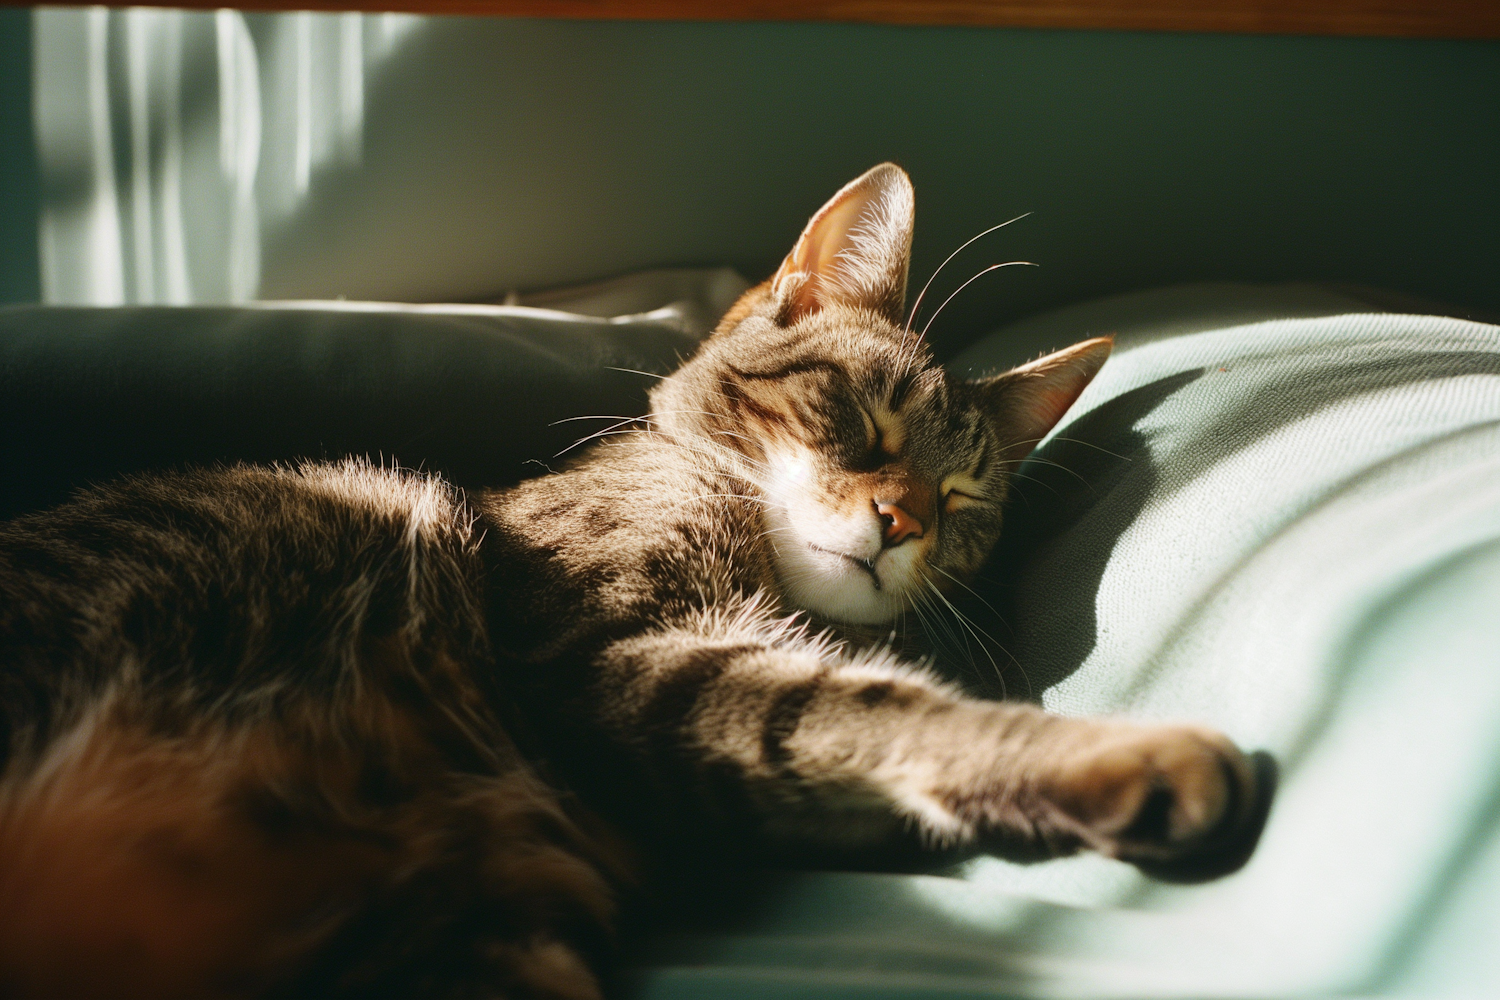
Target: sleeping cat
304,730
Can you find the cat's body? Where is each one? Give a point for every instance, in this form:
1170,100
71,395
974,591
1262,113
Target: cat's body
285,730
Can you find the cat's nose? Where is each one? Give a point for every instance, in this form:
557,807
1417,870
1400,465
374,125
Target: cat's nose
896,524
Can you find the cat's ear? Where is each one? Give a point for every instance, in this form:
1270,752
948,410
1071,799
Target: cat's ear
1028,401
853,252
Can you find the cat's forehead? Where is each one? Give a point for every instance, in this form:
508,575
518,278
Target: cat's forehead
859,351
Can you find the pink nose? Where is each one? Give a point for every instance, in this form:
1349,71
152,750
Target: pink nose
899,525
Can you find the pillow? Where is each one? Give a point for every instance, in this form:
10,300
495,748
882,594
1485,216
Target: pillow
1288,528
474,392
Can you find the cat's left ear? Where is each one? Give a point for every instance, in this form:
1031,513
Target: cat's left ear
1028,401
854,251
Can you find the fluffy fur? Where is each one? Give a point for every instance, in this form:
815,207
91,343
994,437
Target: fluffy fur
329,730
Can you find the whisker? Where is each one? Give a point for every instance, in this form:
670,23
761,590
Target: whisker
662,413
1090,444
611,429
954,640
595,416
998,617
1073,440
720,453
973,628
916,606
648,420
1059,465
958,618
634,371
968,588
912,316
993,267
1039,482
730,496
733,434
911,354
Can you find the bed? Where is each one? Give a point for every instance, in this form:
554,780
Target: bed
1277,511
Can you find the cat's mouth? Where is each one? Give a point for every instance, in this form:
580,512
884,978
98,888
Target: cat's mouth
867,565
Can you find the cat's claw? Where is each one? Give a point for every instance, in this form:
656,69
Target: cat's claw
1178,801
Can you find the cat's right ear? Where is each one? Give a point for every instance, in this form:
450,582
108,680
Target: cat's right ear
1028,401
854,251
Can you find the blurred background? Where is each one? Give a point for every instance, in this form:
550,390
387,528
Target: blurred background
153,156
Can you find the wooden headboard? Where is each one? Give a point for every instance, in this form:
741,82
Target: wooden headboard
1395,18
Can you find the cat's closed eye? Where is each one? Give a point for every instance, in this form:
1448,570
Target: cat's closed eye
961,490
873,454
882,440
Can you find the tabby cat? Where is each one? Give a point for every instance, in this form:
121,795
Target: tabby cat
301,731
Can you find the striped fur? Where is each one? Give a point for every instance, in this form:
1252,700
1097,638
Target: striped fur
301,731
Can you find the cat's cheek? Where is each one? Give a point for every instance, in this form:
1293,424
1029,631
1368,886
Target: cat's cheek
792,472
904,570
967,540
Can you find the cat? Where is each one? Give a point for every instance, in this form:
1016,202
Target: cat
335,730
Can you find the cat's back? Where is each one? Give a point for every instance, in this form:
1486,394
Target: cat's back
227,584
248,743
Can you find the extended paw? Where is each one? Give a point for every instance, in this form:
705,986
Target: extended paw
1156,795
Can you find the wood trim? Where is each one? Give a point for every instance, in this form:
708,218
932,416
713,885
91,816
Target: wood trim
1393,18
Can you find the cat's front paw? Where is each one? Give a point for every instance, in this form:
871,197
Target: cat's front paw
1179,801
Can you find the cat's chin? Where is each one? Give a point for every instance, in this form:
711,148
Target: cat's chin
842,597
820,572
841,588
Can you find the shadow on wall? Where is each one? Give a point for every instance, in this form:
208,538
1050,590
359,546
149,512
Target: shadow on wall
208,157
171,143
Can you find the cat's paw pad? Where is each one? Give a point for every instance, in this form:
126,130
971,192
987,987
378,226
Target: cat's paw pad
1154,794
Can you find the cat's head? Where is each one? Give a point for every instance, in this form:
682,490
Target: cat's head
882,475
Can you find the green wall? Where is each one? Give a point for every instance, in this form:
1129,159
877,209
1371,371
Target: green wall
19,280
517,153
521,153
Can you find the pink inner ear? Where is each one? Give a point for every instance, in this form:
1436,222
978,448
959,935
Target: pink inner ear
1042,392
816,255
853,251
817,252
1053,398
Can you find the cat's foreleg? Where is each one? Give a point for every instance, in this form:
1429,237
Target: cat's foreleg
818,750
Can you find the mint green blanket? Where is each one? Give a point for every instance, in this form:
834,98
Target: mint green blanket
1285,527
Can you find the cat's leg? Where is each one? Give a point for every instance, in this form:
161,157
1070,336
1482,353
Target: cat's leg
819,751
491,891
267,857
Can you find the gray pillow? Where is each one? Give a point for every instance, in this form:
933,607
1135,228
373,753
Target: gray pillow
474,392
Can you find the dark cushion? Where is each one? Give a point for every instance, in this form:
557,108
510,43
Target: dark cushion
475,393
